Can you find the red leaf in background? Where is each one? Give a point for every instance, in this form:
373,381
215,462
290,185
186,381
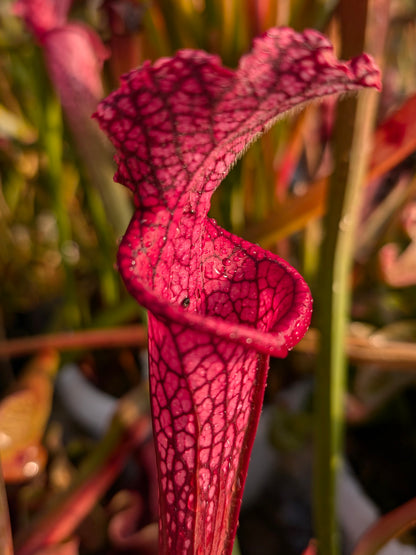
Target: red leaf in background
399,268
219,306
74,54
127,509
311,549
42,16
395,138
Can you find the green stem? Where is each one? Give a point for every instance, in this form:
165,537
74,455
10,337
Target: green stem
108,279
352,139
336,257
51,136
236,547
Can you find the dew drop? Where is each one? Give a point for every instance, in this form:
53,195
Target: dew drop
30,469
226,261
249,340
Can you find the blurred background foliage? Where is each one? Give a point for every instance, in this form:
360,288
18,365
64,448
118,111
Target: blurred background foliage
61,215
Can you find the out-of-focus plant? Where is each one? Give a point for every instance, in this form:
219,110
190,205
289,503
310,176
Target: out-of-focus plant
50,232
74,57
24,413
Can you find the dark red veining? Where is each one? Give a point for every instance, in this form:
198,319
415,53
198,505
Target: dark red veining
219,306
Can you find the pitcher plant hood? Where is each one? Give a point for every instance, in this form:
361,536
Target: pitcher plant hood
219,306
